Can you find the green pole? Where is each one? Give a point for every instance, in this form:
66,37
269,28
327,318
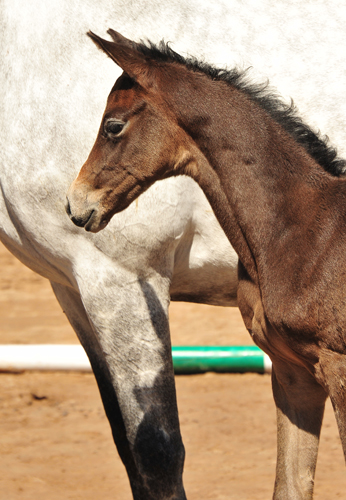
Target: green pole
200,359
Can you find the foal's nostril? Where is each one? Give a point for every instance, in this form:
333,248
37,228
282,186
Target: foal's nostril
67,207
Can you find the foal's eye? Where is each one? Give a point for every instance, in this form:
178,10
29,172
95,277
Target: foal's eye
113,128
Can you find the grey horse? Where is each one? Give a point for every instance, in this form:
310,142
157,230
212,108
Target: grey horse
115,286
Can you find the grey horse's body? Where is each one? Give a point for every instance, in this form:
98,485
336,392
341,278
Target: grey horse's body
115,286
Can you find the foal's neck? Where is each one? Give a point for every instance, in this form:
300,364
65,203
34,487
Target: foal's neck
265,190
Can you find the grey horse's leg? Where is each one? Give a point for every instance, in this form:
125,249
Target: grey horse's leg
73,308
300,402
143,416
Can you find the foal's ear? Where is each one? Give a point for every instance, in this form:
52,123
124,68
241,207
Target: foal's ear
125,54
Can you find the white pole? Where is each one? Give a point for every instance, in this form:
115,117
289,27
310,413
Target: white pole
43,357
20,357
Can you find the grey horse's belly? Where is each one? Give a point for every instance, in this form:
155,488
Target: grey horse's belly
214,286
205,264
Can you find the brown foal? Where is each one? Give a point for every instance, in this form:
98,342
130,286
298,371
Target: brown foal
279,194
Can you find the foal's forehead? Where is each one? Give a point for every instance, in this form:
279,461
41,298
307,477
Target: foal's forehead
125,100
124,82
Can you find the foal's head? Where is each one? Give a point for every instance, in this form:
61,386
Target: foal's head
166,116
139,141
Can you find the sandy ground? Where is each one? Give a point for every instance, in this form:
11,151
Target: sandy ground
55,442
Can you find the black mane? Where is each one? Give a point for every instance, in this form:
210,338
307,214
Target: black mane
317,146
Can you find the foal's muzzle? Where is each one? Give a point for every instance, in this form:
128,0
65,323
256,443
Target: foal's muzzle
80,221
83,208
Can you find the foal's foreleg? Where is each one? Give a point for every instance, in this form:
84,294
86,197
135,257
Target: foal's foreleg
332,370
300,402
